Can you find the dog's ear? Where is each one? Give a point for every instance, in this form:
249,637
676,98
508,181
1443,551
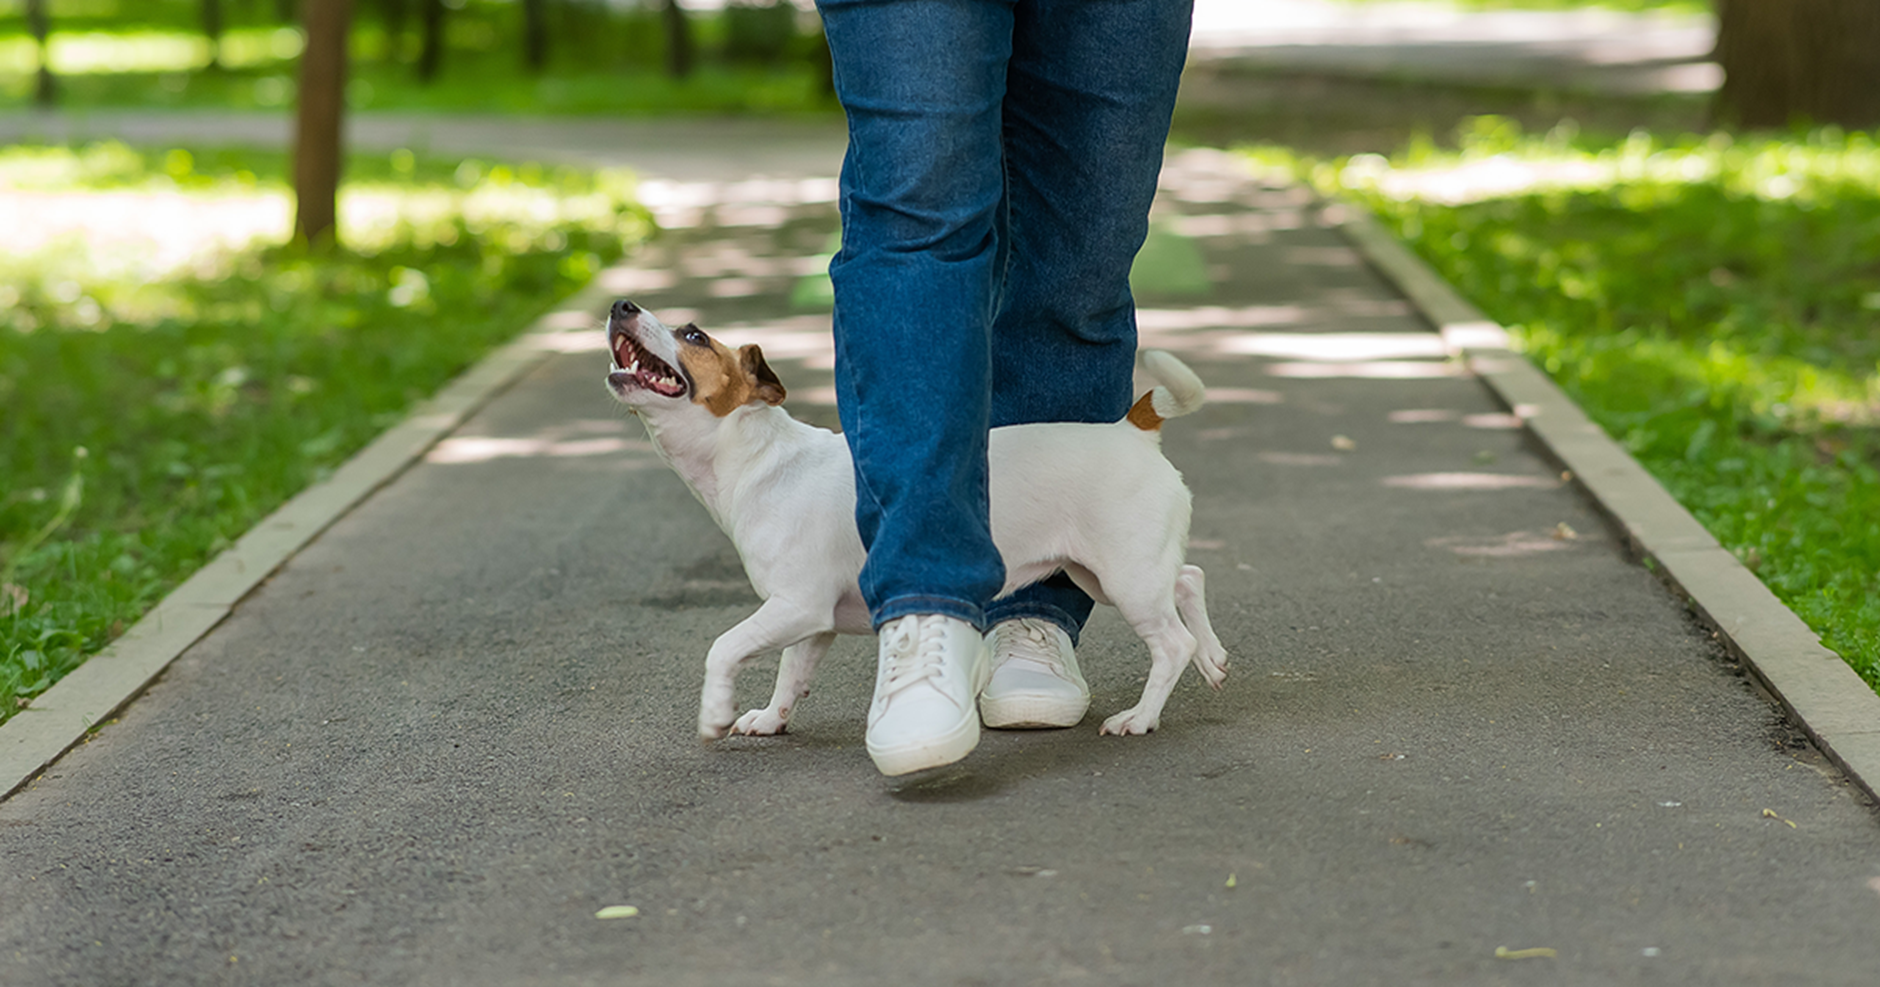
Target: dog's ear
764,382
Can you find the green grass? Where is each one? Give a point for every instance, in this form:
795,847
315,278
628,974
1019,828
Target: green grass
1714,303
601,60
147,425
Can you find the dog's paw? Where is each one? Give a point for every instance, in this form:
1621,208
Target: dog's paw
764,722
716,709
1130,722
712,727
1212,664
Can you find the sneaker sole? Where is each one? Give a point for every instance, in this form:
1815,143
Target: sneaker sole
1031,712
940,751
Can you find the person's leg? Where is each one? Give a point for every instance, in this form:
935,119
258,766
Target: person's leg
1086,114
922,82
915,280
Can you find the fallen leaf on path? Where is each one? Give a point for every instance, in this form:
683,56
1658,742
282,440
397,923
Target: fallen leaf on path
1231,880
1537,953
1343,443
617,911
1564,532
1771,814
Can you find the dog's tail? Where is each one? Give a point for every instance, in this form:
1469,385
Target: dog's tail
1177,392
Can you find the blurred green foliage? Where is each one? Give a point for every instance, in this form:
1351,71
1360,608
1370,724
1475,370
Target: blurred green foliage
602,58
202,397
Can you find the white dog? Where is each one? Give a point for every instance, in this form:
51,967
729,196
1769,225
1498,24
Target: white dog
1113,513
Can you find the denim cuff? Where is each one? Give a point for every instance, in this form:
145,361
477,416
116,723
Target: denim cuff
903,606
1009,609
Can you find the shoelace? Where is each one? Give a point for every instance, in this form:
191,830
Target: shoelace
915,652
1036,646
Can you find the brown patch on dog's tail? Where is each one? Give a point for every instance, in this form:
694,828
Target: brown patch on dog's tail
1177,392
1142,414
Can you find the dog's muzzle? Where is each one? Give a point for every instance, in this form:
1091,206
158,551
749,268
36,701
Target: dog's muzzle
633,365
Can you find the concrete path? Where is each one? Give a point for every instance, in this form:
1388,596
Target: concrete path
1460,725
688,148
1588,49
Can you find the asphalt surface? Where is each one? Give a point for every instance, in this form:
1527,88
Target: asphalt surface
1459,719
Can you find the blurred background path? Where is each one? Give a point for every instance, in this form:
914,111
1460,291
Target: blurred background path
1587,49
1584,51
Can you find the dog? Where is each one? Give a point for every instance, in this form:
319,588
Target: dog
1114,514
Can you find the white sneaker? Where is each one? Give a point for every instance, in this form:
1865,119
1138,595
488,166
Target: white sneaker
1034,681
930,668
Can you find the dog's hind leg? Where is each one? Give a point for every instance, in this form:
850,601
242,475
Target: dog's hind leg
799,663
779,623
1191,598
1170,648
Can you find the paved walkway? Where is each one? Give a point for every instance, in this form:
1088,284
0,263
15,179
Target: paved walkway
458,724
1459,722
1588,49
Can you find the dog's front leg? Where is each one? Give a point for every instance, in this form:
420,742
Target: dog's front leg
799,663
779,623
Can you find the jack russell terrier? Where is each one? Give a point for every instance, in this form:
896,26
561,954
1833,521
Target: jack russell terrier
1114,514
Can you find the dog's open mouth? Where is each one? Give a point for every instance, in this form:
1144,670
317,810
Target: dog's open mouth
634,366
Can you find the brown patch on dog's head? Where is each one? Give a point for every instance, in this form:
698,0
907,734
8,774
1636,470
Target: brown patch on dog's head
765,386
724,379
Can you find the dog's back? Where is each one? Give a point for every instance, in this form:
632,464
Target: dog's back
1102,497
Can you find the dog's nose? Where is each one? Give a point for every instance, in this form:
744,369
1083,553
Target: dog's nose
624,308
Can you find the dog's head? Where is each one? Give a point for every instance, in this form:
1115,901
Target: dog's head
656,366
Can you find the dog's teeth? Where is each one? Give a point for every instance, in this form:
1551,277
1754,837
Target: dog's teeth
635,368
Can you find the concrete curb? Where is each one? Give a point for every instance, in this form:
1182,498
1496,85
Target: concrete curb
1820,692
59,718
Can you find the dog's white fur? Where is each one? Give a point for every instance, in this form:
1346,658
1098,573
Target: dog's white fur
1113,514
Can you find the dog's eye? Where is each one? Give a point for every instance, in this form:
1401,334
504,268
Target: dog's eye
693,335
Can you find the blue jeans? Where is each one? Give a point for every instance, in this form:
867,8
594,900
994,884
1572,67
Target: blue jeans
1002,158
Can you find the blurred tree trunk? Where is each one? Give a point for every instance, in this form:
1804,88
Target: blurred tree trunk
45,91
1788,61
431,55
679,53
318,128
535,35
212,27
